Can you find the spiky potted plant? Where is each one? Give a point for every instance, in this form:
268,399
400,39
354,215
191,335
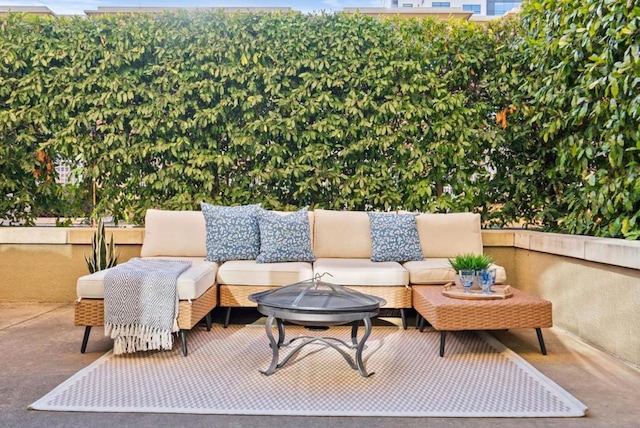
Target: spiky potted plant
469,261
103,254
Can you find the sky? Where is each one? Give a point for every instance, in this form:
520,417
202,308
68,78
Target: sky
75,7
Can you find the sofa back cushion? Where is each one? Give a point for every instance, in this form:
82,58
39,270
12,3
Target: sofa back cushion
446,235
174,233
341,234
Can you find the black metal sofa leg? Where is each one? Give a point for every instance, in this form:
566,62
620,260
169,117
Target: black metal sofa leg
227,316
207,319
183,339
403,315
85,339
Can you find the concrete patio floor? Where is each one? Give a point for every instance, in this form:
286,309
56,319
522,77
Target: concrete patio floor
39,349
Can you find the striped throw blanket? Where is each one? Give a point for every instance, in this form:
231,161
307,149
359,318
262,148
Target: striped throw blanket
141,304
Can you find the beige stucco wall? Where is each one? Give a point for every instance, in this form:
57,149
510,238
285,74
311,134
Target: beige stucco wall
600,304
43,264
46,273
593,283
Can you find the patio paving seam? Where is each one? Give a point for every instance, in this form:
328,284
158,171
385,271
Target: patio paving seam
34,317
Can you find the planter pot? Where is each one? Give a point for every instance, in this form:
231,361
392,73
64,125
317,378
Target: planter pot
476,283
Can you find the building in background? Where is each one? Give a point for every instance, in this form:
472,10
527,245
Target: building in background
478,7
411,12
108,10
33,10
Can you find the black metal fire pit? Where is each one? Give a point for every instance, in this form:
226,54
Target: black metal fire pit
314,303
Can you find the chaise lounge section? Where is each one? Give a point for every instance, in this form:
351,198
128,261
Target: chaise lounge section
176,235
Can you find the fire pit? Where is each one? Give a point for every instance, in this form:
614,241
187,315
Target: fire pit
317,304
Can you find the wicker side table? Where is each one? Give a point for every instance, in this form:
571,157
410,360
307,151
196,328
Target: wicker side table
450,314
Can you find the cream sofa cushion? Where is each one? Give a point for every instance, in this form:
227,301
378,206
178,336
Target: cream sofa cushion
361,272
439,271
248,272
191,283
342,234
447,235
174,233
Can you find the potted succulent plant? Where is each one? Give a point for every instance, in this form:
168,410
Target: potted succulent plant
469,261
103,253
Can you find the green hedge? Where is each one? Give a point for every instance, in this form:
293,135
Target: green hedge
582,88
331,111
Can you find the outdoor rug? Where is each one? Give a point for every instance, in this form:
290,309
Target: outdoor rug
478,377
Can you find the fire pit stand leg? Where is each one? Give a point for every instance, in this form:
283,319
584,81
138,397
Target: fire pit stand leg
367,332
354,332
280,331
272,342
305,340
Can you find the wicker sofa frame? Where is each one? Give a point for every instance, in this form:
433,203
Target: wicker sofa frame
90,313
237,296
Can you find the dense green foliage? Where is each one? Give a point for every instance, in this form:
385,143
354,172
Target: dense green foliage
583,93
287,110
331,111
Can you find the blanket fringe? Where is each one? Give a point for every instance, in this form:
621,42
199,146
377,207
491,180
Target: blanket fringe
135,337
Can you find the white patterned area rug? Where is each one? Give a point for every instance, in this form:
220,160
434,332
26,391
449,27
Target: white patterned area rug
478,377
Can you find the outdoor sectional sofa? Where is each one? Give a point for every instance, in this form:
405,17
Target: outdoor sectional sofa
342,244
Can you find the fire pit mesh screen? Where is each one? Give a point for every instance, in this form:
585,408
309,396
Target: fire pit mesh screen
316,295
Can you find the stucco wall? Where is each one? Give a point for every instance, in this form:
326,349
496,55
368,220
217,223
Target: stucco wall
46,273
600,305
593,283
43,264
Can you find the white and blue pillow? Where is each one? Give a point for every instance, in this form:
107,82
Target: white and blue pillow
232,232
394,237
284,238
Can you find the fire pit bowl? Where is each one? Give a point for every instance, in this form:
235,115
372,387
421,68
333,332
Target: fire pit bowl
317,303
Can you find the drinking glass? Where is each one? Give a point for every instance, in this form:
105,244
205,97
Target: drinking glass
487,279
466,278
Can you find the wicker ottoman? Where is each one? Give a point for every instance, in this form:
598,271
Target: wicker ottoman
450,314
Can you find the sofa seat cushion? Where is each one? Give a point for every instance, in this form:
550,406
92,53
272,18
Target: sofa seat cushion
439,271
361,272
191,283
249,272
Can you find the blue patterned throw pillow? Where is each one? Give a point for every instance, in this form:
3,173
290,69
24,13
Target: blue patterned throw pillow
394,237
285,238
232,232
